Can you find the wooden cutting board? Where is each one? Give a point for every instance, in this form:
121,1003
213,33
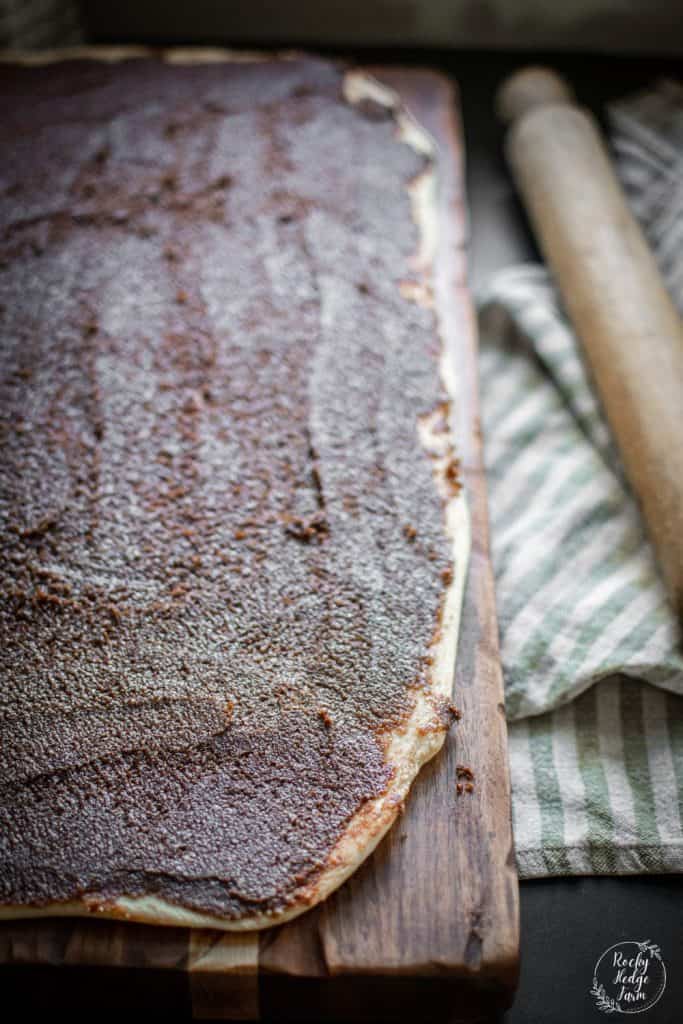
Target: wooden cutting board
431,919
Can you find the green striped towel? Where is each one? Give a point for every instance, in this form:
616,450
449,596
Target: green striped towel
591,653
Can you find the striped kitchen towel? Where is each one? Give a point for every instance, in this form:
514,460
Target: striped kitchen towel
592,656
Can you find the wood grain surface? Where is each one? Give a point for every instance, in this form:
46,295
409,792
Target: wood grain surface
431,918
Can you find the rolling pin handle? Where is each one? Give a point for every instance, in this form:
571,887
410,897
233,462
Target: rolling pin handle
529,88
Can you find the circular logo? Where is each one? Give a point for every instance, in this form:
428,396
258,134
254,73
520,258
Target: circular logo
629,977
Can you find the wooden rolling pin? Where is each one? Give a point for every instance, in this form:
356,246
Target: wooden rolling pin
630,330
